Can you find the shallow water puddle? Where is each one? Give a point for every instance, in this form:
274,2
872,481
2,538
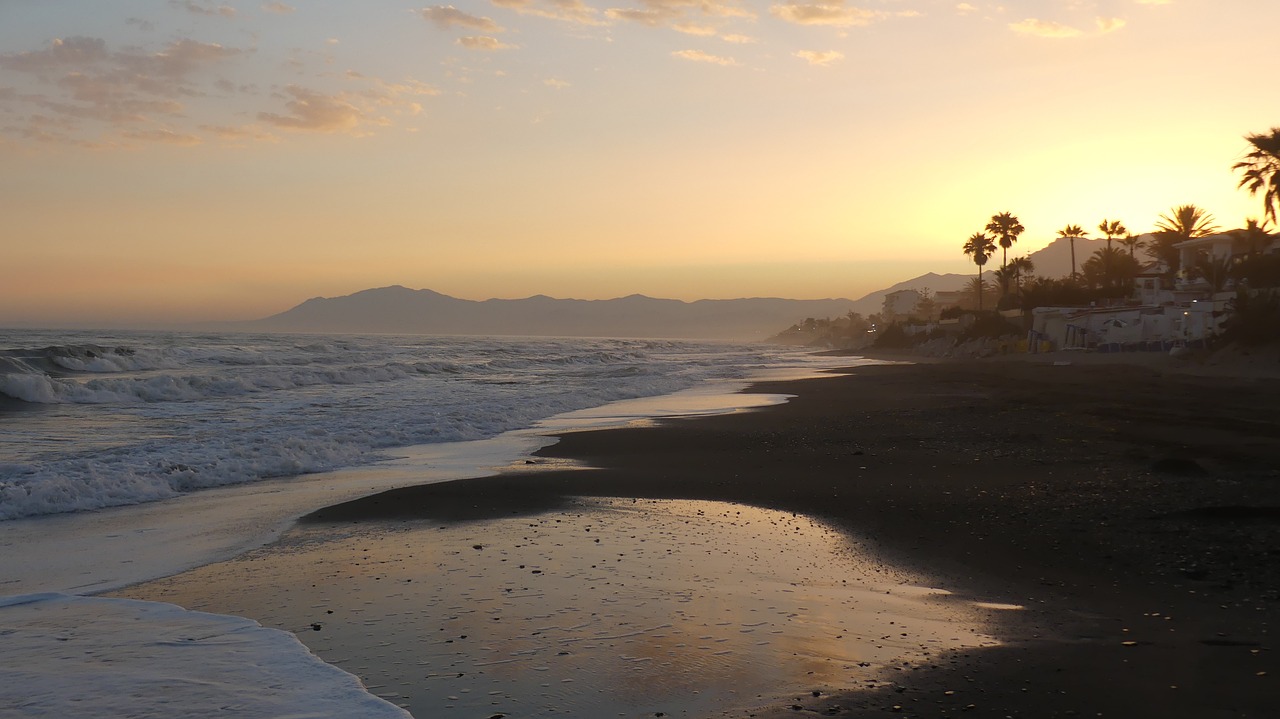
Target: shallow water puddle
615,608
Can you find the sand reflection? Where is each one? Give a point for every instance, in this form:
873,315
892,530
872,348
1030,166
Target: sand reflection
617,607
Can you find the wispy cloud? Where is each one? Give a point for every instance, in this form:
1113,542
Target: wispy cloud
79,91
700,56
693,29
681,14
1056,30
447,16
821,58
277,8
367,103
166,136
61,53
234,133
483,42
832,12
207,9
573,11
313,111
83,79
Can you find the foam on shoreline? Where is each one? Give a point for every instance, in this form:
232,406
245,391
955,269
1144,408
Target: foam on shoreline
93,552
80,656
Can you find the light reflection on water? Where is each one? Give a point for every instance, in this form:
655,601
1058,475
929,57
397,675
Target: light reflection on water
614,608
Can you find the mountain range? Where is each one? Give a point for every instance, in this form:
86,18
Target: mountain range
400,310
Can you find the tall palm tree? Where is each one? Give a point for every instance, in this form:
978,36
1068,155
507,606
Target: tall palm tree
980,248
1112,230
1006,229
1072,232
1182,223
1260,170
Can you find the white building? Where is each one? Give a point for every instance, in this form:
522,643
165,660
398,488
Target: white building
1126,329
899,304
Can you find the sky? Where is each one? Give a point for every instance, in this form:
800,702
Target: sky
168,161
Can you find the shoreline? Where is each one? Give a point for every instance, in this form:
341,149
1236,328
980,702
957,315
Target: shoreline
1132,515
112,548
1134,512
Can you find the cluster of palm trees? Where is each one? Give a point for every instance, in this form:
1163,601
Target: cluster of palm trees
1111,270
1004,229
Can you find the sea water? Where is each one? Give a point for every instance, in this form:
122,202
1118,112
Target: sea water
203,442
99,420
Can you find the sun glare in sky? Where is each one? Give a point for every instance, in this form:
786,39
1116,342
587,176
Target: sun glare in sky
194,160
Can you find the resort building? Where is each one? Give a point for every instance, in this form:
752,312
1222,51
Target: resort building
952,298
899,304
1142,328
1161,313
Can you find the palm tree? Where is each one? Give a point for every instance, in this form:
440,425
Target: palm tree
1182,223
1133,243
1261,171
1072,232
1254,239
1004,278
1187,222
1006,228
1214,270
1112,230
1110,269
979,288
1021,265
1253,236
979,247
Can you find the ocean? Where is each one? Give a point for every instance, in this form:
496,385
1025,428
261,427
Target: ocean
126,456
94,420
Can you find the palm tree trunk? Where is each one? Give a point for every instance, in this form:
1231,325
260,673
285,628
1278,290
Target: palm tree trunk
1073,258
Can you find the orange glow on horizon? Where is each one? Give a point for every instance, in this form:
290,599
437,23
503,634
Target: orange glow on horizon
592,159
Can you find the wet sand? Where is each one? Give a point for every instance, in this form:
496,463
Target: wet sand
602,608
1133,512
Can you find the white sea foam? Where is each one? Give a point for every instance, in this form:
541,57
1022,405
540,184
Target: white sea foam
158,415
68,656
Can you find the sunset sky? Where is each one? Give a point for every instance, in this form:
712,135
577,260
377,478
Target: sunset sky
191,160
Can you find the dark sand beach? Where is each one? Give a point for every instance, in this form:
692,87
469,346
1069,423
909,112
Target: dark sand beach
1133,512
